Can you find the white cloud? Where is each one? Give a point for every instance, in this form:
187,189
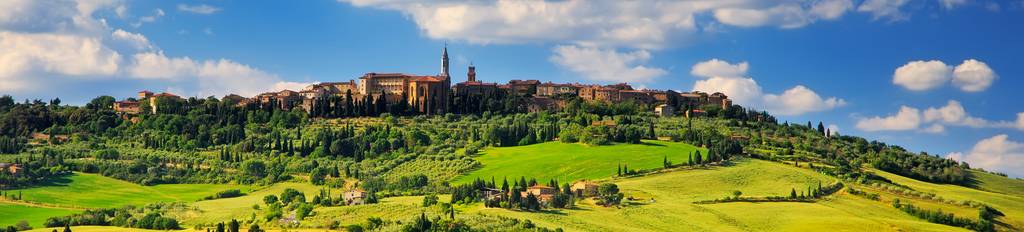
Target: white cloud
634,24
799,100
831,9
786,15
908,118
198,9
24,53
997,153
952,114
716,67
211,77
743,91
921,75
950,4
884,9
157,13
722,76
606,64
934,129
973,76
135,40
1020,121
970,76
44,44
833,129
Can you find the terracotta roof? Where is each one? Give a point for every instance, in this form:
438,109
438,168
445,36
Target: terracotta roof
145,91
476,83
426,79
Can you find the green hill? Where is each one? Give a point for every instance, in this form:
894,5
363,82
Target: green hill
569,162
82,190
673,209
13,213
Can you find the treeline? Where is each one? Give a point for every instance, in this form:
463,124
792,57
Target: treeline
35,169
984,223
149,217
515,196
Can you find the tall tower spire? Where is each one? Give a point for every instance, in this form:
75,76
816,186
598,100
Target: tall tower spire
444,60
471,74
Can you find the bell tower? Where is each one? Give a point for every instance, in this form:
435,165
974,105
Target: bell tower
471,75
444,60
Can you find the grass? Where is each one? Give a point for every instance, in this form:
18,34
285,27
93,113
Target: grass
999,184
569,162
222,210
674,192
35,216
82,190
1011,205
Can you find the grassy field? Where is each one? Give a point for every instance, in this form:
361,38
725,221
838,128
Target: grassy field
82,190
35,216
674,192
569,162
1010,204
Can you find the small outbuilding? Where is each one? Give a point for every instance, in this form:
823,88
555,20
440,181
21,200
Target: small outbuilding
664,110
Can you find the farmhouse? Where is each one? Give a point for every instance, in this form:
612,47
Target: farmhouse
584,189
10,168
354,197
544,193
492,193
664,110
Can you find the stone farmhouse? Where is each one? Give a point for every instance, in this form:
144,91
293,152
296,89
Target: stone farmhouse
354,197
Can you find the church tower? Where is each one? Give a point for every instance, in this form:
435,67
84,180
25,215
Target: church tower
444,61
471,75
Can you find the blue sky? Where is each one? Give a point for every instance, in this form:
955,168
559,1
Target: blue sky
850,63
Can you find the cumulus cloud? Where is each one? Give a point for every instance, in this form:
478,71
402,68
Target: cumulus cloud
952,114
787,15
970,76
884,9
722,76
634,24
997,153
973,76
134,40
157,14
799,100
606,64
716,67
950,4
921,75
198,9
65,42
741,90
908,118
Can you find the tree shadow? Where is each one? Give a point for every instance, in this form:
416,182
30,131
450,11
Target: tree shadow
645,143
56,181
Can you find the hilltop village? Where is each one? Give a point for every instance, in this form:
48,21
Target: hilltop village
434,94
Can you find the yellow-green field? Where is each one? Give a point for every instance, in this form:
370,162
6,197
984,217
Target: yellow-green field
11,213
673,210
82,190
569,162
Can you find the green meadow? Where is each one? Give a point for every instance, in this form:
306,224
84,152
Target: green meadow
13,213
82,190
567,162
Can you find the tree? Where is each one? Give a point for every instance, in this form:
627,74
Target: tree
67,228
233,226
736,194
609,194
101,102
429,200
792,193
821,128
